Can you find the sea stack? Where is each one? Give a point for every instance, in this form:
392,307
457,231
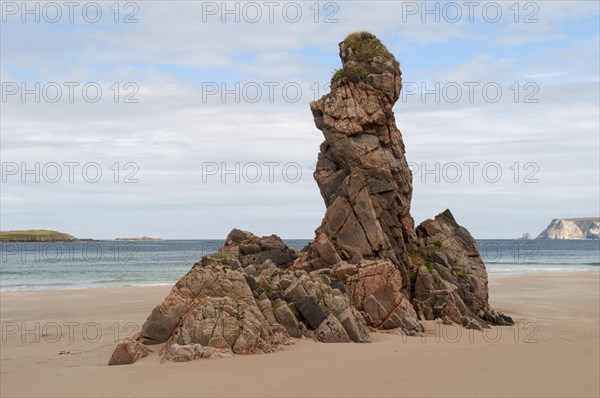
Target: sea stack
361,171
367,268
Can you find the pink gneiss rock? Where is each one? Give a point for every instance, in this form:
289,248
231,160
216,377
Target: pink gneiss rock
366,268
127,352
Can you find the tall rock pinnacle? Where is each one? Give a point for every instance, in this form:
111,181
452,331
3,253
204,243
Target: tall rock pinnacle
366,184
361,170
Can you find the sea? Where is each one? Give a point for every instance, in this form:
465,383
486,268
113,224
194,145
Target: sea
26,266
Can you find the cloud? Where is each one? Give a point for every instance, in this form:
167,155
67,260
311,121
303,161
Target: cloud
170,56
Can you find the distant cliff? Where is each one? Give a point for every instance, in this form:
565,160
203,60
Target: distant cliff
572,228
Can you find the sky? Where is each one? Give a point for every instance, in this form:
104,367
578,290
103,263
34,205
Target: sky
185,119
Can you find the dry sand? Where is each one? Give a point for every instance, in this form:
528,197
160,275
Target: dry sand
552,351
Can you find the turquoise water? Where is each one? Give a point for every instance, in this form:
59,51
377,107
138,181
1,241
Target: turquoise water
526,256
71,265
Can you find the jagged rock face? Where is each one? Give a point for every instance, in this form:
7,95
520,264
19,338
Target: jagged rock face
367,187
213,305
451,280
452,250
225,315
238,301
375,290
361,170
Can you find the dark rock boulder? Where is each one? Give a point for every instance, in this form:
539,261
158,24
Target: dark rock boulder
286,317
250,249
310,311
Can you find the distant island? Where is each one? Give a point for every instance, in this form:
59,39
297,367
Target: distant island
572,228
526,236
37,235
140,238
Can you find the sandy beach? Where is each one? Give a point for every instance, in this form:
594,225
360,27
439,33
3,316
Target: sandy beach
57,343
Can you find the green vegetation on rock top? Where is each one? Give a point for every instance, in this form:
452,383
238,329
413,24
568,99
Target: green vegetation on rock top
365,47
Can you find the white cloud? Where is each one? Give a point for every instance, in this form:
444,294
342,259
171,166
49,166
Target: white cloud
171,131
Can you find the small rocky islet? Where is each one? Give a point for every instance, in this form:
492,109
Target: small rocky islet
368,268
140,238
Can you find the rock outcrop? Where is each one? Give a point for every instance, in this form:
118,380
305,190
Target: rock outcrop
367,187
361,170
572,228
244,300
367,269
127,352
451,280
